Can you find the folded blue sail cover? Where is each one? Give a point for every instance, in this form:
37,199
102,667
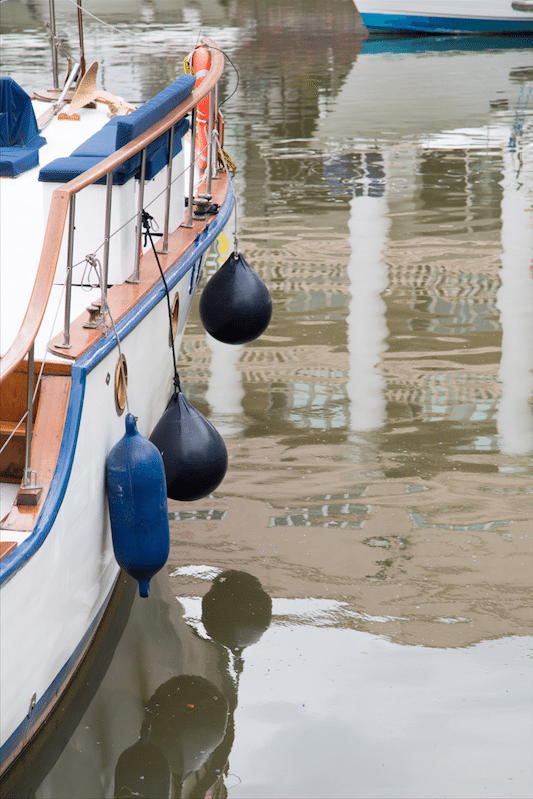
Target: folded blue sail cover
19,134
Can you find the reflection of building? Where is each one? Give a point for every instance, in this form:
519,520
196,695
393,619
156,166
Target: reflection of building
429,232
515,303
416,338
439,294
406,528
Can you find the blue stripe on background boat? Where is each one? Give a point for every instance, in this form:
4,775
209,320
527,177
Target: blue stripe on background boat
448,16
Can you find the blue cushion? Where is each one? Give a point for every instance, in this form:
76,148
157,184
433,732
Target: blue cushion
120,131
18,125
19,134
132,125
15,160
102,143
155,161
61,170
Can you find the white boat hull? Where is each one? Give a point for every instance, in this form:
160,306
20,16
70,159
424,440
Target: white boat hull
67,566
452,16
57,579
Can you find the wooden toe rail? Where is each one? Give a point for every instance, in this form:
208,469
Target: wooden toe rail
47,436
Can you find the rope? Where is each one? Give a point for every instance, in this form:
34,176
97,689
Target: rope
223,156
95,264
112,27
147,224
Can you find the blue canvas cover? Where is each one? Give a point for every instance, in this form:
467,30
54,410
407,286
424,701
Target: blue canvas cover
19,134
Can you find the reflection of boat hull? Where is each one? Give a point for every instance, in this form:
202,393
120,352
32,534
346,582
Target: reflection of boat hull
386,71
453,16
140,648
69,556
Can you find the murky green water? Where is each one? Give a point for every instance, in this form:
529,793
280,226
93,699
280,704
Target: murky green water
380,433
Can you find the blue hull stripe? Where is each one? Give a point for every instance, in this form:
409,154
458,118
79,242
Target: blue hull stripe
39,712
404,22
16,560
13,562
10,565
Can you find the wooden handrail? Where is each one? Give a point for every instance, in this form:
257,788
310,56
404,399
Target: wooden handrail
59,208
41,288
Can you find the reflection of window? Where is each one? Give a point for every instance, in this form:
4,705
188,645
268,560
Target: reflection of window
463,179
346,515
359,174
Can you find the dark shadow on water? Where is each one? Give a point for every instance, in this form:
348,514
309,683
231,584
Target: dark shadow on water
151,708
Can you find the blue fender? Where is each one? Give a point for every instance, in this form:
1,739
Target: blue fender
136,489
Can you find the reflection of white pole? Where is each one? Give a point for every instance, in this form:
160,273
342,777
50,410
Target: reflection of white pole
367,329
515,302
225,392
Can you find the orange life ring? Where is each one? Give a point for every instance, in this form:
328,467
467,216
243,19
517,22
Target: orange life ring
201,63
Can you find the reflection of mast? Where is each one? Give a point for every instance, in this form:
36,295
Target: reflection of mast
515,302
225,392
367,273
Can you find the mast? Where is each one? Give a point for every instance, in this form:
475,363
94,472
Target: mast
80,33
53,42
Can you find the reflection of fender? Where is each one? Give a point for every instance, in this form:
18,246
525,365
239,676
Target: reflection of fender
201,63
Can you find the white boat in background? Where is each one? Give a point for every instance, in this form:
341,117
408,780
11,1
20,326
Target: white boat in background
450,16
92,320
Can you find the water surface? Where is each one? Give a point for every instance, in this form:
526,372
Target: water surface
380,433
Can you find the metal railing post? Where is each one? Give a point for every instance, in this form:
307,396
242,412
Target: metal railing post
68,285
26,481
139,230
209,169
107,238
215,122
190,207
164,247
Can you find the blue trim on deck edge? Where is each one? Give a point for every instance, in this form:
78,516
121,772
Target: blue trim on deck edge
39,711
